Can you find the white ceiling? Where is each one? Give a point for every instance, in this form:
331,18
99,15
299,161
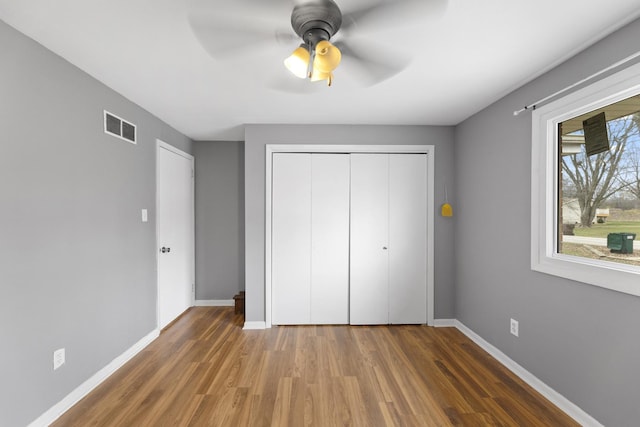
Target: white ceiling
464,55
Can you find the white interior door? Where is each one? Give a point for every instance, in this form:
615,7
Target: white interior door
369,290
329,239
291,241
175,225
408,238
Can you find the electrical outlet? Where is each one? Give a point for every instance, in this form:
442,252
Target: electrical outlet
58,358
514,327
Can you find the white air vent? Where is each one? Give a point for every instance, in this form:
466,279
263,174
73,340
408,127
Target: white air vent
114,125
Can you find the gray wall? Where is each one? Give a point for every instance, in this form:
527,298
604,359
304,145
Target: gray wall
257,136
219,219
579,339
77,265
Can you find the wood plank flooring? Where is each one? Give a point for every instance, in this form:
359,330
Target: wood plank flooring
204,370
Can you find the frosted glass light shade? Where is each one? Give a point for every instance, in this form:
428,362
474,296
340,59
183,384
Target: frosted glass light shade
326,60
298,62
327,57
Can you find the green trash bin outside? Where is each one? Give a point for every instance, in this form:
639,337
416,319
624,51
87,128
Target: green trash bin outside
621,242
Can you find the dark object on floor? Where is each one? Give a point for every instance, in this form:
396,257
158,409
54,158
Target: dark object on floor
239,299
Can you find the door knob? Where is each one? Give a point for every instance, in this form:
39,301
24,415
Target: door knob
163,250
384,248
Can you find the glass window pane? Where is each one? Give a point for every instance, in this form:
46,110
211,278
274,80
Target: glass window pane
599,184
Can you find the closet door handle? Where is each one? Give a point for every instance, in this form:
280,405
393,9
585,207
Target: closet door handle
384,248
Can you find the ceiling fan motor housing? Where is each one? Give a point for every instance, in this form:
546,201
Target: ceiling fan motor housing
316,20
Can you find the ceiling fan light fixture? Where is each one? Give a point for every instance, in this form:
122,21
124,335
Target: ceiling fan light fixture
298,62
327,58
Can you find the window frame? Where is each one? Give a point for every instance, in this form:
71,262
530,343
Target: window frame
544,185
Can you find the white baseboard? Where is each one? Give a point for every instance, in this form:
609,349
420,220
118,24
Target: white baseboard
444,323
86,387
254,325
215,303
556,398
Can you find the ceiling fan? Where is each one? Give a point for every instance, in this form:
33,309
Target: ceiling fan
315,24
316,58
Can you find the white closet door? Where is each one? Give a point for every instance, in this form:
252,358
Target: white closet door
329,239
369,290
408,238
291,238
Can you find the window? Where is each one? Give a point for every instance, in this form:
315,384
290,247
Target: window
586,184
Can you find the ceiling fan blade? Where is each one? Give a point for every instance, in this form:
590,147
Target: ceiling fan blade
383,14
248,6
225,38
230,29
372,65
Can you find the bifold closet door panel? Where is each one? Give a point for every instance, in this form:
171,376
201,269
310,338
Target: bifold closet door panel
369,294
291,238
329,239
408,238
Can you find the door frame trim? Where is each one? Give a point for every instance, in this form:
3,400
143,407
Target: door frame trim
163,145
429,150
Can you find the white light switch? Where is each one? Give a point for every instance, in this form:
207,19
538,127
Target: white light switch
145,217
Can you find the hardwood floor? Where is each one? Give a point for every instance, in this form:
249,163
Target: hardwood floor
204,370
